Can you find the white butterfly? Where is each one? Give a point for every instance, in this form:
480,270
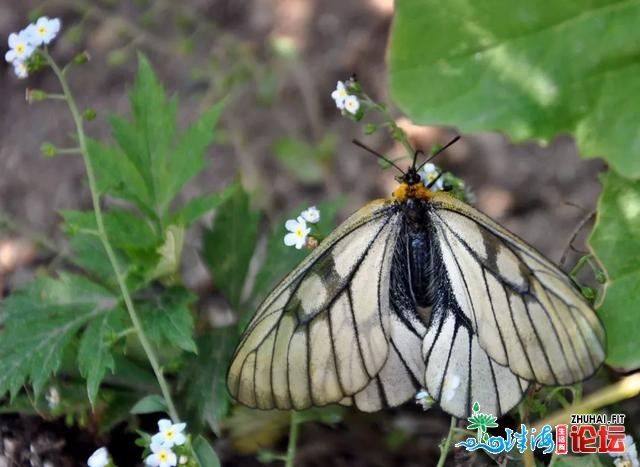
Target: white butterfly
417,290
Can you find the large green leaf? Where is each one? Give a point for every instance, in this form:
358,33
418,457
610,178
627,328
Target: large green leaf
531,69
152,162
616,242
40,322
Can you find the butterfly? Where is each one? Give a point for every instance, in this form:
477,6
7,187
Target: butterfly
419,290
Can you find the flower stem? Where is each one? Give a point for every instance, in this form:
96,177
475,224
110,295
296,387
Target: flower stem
444,449
104,239
293,439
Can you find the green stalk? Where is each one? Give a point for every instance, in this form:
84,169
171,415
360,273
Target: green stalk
444,450
293,439
104,239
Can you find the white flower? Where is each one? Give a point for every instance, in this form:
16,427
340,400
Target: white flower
351,104
298,232
428,174
311,215
20,69
43,31
628,458
20,47
100,458
170,434
161,456
340,94
424,399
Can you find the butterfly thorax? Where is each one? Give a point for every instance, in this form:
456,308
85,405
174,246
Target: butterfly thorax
407,191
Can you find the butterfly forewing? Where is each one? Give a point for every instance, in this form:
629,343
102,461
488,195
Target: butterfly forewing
526,312
321,335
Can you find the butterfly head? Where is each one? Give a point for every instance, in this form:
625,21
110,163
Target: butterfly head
411,187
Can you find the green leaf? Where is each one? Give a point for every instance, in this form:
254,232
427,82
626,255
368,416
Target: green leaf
94,354
150,404
205,455
40,322
229,244
203,380
616,241
167,319
531,69
187,159
194,209
117,175
154,162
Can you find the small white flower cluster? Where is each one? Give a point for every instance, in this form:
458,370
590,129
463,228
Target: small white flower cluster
629,458
162,443
22,44
298,230
428,173
344,100
169,435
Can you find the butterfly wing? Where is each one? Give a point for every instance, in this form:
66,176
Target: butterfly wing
324,335
514,315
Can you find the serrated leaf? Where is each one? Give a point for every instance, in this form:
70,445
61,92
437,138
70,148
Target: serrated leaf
204,378
616,240
157,162
205,455
40,321
167,319
227,247
94,354
187,159
531,69
116,175
150,404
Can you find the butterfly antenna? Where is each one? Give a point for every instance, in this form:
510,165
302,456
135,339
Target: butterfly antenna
432,156
377,154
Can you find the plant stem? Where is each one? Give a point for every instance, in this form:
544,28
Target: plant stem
447,443
104,239
293,439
